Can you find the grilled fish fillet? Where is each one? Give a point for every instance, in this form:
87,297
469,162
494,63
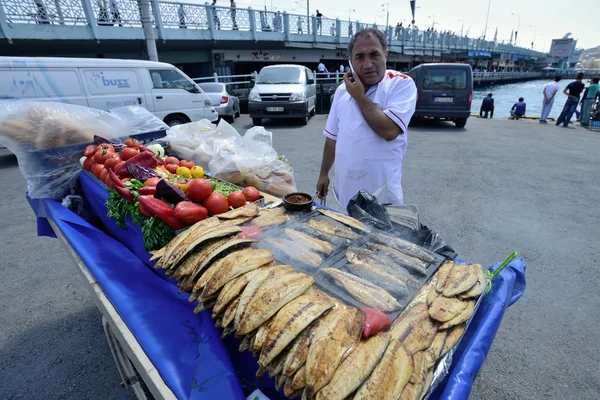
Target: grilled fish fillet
409,393
249,210
207,275
443,309
454,335
298,351
291,320
230,312
419,368
355,368
182,240
299,379
367,257
186,267
402,245
365,292
195,240
204,304
435,349
462,317
235,221
290,249
279,382
411,263
234,288
308,241
345,219
261,336
390,376
210,257
276,366
410,318
479,287
432,294
379,277
460,279
333,228
442,275
237,263
421,336
245,343
270,297
329,345
266,218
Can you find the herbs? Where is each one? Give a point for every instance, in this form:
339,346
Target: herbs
117,208
156,234
222,187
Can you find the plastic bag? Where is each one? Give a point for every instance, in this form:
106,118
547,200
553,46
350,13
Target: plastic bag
48,139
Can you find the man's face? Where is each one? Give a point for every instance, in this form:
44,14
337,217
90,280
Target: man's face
368,59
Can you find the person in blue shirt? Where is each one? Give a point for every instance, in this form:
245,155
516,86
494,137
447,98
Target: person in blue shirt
487,106
518,109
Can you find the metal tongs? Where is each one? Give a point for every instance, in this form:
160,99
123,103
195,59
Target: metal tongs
322,200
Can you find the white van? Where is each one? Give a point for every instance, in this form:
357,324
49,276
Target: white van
106,83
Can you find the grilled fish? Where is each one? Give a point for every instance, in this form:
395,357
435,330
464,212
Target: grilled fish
298,351
442,275
435,349
402,245
261,336
245,343
411,317
421,336
409,393
157,254
291,320
419,368
290,249
479,287
249,210
230,313
432,294
454,335
237,263
210,257
331,342
266,218
192,241
234,288
203,304
406,261
308,241
299,379
332,228
365,257
460,279
279,382
276,366
462,317
345,219
235,221
253,287
207,275
270,297
365,292
443,309
355,368
390,376
379,277
187,267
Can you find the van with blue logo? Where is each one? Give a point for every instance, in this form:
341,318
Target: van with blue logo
106,83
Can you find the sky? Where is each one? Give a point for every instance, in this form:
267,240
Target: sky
542,20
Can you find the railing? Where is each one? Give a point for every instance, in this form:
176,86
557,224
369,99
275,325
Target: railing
122,13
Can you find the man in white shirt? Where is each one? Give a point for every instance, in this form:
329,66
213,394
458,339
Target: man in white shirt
549,92
366,128
322,69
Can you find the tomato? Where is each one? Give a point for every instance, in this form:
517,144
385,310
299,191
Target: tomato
216,203
103,174
251,193
236,199
89,163
90,150
97,169
128,153
189,212
250,232
187,164
199,189
172,160
152,181
172,168
105,146
133,143
102,155
112,161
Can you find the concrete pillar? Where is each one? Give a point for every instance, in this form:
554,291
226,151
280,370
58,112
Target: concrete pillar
390,35
313,21
211,20
148,30
89,16
158,19
286,25
338,31
252,18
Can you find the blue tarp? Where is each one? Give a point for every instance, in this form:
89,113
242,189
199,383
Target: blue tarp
186,349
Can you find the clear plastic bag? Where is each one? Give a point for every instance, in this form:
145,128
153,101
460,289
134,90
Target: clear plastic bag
49,138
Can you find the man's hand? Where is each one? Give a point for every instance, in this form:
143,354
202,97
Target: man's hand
354,86
323,186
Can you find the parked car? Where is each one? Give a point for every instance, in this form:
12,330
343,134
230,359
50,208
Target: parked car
223,99
106,83
283,91
444,91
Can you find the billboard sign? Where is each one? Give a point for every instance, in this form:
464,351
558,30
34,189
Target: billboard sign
561,48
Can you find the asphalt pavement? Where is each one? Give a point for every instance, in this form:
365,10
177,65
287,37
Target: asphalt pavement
491,188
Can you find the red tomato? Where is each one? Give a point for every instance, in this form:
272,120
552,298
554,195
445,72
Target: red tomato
90,150
251,193
236,199
128,153
103,174
189,164
172,160
189,212
133,143
97,169
112,161
216,203
152,181
172,168
89,163
102,155
105,146
199,189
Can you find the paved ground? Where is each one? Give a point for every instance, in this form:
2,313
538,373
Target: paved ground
491,188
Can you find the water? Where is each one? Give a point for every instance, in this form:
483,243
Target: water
508,94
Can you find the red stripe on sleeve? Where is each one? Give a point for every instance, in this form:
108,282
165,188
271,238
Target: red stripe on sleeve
398,118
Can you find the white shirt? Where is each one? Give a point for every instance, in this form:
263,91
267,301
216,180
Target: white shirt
551,88
363,159
114,7
342,68
321,68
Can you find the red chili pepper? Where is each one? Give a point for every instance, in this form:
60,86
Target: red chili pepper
145,159
147,190
144,212
161,209
189,212
115,179
124,193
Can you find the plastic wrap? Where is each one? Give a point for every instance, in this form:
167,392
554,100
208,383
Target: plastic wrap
48,139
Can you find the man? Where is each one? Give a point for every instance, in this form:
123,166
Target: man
487,106
233,13
114,10
549,92
573,91
181,15
366,128
300,22
216,19
518,109
319,16
322,69
588,98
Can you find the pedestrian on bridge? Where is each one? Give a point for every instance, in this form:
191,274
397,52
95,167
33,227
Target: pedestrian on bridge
233,14
114,10
42,13
549,92
181,15
573,91
299,23
319,16
216,19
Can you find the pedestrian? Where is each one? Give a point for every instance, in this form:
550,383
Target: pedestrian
487,106
342,68
319,16
350,29
114,10
549,92
518,109
588,98
103,19
41,13
322,69
366,127
573,91
300,22
216,19
398,30
181,15
332,30
277,22
233,12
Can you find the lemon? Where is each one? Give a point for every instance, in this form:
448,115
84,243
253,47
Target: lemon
184,171
197,172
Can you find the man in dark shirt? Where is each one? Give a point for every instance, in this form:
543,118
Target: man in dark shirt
574,90
487,106
518,109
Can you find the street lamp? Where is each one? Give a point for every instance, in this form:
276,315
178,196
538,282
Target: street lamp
487,18
543,41
518,25
349,14
462,26
534,33
433,23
